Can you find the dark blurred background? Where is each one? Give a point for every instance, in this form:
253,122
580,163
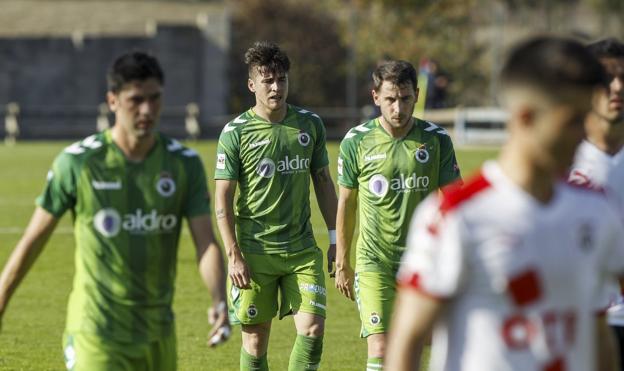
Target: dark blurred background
54,55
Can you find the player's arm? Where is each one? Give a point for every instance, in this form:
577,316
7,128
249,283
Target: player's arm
607,356
212,271
224,204
326,198
29,247
345,226
412,320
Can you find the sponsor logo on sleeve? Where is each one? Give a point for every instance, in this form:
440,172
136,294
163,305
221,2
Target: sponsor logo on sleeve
221,161
340,166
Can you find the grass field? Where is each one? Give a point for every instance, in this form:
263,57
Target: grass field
34,322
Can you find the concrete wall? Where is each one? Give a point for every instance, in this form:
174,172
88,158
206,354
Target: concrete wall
59,82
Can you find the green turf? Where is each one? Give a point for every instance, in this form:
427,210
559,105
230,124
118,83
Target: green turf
33,324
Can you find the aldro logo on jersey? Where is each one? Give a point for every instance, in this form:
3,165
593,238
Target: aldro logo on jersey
109,222
379,184
288,165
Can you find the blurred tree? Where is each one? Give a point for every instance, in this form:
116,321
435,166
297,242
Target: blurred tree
309,36
418,29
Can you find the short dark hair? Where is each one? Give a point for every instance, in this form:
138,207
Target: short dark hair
133,66
552,65
607,48
395,71
266,56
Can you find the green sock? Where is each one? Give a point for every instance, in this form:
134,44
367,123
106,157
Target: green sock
251,363
306,353
374,364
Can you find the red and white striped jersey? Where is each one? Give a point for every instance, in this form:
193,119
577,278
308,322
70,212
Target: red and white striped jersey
519,277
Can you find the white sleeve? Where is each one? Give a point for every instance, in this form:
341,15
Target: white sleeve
434,262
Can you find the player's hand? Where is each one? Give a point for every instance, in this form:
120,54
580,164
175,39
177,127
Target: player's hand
239,271
218,318
331,260
344,280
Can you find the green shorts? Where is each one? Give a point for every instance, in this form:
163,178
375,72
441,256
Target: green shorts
298,278
94,353
374,294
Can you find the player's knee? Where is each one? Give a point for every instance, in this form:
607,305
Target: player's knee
316,329
377,345
256,338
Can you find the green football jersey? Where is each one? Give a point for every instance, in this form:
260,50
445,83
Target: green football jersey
272,163
392,176
127,218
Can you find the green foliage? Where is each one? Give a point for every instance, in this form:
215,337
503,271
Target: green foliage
34,321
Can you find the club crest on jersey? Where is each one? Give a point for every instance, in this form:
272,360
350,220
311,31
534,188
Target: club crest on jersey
378,185
421,154
107,222
252,312
266,168
374,319
303,138
166,185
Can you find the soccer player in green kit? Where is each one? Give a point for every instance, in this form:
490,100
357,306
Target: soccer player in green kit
128,189
387,165
270,152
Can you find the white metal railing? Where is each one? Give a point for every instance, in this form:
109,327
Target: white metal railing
472,125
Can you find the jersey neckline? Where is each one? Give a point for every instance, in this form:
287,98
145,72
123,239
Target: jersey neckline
109,139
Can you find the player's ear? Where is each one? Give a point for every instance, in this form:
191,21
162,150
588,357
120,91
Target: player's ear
526,115
251,86
416,91
113,101
376,97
